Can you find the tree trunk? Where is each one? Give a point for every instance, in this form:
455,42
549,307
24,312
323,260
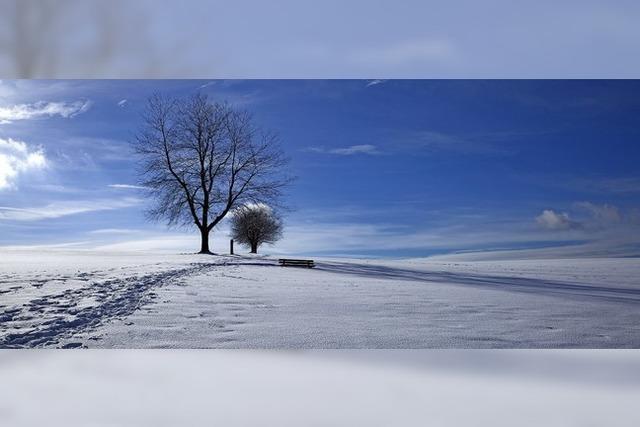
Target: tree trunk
254,247
204,241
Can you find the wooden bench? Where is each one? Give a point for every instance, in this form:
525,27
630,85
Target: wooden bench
296,262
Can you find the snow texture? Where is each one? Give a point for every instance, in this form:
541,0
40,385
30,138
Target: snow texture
69,299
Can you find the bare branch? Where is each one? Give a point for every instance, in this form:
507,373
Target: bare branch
254,225
200,160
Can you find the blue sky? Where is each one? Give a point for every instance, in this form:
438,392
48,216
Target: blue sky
384,167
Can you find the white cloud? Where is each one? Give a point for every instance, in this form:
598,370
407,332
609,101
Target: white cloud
65,208
43,109
122,103
591,218
347,151
551,220
16,158
127,186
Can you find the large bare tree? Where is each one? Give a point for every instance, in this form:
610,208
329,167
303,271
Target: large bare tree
201,159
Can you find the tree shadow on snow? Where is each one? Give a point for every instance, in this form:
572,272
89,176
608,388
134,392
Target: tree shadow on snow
504,283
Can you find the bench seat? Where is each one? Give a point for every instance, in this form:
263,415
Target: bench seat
284,262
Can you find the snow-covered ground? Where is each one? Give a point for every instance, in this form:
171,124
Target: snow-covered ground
135,300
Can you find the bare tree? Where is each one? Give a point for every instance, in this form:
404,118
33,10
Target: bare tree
202,159
255,224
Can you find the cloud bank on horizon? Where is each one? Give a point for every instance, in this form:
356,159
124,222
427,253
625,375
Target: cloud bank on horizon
386,167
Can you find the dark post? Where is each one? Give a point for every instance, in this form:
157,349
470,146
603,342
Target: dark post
231,246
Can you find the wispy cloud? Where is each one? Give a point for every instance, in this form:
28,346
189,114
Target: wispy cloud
580,250
47,246
206,85
16,158
601,214
56,188
622,185
166,242
375,82
110,231
43,109
65,208
428,140
355,237
127,186
347,151
92,152
321,231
